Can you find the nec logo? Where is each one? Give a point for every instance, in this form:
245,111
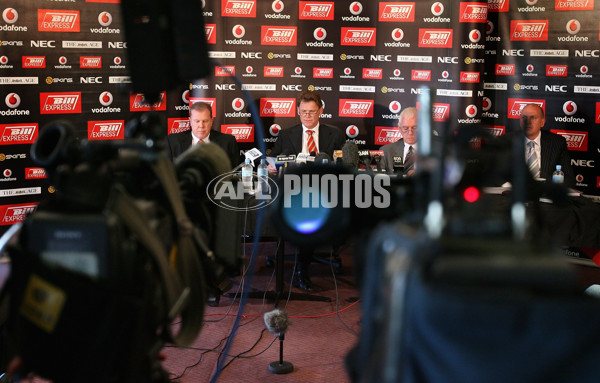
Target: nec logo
138,103
440,112
15,213
90,80
242,133
271,35
43,43
58,21
322,72
211,33
34,61
356,108
397,12
358,36
387,58
251,55
577,141
469,77
177,125
117,44
435,38
313,10
238,8
447,60
277,107
420,75
515,105
473,12
106,130
273,71
533,30
513,52
583,163
505,69
35,173
293,87
556,88
60,103
18,134
386,135
90,62
372,73
587,53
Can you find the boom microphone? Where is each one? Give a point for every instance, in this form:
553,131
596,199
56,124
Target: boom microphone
350,155
276,321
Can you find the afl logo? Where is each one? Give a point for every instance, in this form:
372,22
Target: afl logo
10,15
475,36
356,8
3,60
106,98
529,68
277,6
487,104
274,130
437,8
397,34
62,60
570,108
237,104
347,71
573,26
7,172
352,131
117,60
105,19
320,34
185,96
238,31
471,111
395,107
12,100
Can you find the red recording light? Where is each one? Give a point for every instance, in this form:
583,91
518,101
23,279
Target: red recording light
471,194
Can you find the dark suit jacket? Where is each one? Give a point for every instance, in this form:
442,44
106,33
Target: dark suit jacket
392,150
178,143
290,140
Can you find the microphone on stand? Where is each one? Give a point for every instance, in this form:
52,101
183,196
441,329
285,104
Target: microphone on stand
322,158
398,164
276,322
377,155
365,159
350,155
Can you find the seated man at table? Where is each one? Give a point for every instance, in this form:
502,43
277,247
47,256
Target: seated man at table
405,149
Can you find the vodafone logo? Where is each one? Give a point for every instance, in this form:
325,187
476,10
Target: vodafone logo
277,6
355,8
395,107
489,28
10,15
445,74
579,178
397,72
3,60
475,36
298,70
249,69
569,108
185,96
105,98
573,26
238,31
471,111
105,19
274,130
584,69
437,8
319,34
486,104
347,71
529,68
531,2
238,104
117,60
62,60
397,34
7,173
352,131
12,100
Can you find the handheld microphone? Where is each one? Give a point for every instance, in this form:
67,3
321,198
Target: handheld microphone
276,321
350,155
377,155
365,159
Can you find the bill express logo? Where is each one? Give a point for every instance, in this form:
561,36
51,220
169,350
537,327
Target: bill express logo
316,10
473,12
372,73
58,21
359,36
435,38
515,105
34,61
211,33
277,107
469,77
533,30
137,103
271,35
498,5
322,72
577,141
60,103
556,70
574,5
177,125
242,133
106,130
86,62
505,69
397,12
386,135
238,8
14,134
35,173
356,108
12,214
440,112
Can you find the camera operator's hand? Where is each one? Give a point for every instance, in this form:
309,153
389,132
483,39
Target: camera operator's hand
272,169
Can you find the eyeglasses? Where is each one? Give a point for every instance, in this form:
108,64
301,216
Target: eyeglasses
407,128
308,112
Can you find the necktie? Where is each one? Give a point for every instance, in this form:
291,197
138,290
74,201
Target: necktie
310,142
533,161
409,161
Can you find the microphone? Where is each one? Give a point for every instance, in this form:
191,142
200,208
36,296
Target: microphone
301,158
398,164
350,155
276,321
365,159
322,158
377,155
311,157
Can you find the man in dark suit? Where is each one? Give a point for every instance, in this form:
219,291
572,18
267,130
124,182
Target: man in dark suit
405,149
201,122
307,137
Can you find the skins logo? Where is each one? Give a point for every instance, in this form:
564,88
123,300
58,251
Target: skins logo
532,30
60,103
14,134
316,10
238,8
58,21
574,5
177,125
277,107
211,33
12,214
224,71
498,5
242,133
505,69
322,72
435,38
34,61
473,12
356,108
577,141
137,103
106,130
556,70
359,36
440,112
372,73
273,71
35,173
386,135
515,105
420,75
469,77
90,62
397,12
271,35
496,130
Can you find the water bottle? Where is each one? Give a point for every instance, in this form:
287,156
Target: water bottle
558,176
263,177
247,176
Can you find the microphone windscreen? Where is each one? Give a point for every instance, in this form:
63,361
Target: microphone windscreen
276,321
321,157
350,154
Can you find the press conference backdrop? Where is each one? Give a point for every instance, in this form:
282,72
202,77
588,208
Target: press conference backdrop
66,59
